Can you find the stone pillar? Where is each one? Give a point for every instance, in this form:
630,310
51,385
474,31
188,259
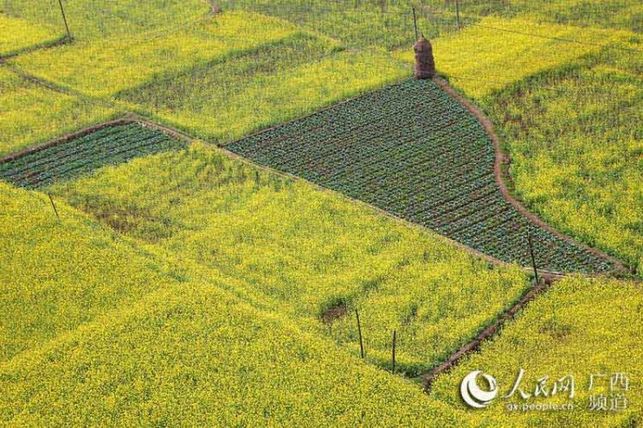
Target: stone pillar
424,62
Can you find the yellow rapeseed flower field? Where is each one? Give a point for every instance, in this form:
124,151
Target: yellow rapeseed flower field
95,330
92,20
104,67
249,101
496,52
190,287
583,327
31,113
304,249
17,34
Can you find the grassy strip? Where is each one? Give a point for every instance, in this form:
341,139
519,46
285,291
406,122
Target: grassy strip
18,36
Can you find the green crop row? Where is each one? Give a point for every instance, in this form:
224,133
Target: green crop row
303,250
107,146
412,150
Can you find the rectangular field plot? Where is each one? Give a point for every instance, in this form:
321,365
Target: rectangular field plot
96,319
17,35
229,98
69,159
31,113
96,19
304,251
107,66
414,151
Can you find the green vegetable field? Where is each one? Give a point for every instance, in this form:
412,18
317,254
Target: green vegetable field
110,145
414,151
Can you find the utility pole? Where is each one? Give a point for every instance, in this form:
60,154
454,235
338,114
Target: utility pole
533,258
62,11
457,12
393,352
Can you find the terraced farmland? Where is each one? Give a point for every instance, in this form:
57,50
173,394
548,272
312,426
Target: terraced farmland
76,156
414,151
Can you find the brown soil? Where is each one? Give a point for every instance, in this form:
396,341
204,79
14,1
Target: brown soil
334,313
215,9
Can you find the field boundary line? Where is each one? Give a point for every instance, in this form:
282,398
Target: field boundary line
48,44
64,139
289,176
131,117
137,118
429,377
178,134
500,158
61,89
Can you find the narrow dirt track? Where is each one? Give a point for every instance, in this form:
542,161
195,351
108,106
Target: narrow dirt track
501,158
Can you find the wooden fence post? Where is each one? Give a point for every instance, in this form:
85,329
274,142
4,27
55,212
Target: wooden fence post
62,11
359,331
393,353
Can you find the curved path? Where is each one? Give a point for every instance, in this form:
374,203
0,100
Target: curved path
421,152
